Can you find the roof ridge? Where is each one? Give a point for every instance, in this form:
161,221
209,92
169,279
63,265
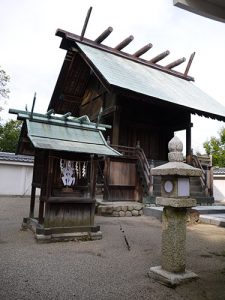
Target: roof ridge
69,38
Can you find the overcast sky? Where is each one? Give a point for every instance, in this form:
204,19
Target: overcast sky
30,53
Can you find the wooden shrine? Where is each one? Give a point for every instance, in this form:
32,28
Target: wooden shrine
66,153
143,100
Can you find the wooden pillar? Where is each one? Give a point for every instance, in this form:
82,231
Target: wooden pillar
188,144
43,188
116,127
32,201
33,191
93,177
49,172
49,180
106,178
41,211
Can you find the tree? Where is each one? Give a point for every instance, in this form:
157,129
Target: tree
216,147
4,79
9,136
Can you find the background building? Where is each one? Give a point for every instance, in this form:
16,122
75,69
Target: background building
213,9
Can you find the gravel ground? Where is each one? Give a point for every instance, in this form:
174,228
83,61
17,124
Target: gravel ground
104,269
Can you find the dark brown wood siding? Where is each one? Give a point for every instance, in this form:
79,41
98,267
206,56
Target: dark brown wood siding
121,180
149,125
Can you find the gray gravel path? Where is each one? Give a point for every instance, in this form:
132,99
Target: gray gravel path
103,269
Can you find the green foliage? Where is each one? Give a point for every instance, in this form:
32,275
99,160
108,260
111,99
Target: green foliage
4,79
9,136
216,147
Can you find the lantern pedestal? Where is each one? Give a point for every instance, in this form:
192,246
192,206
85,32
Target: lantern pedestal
171,279
173,270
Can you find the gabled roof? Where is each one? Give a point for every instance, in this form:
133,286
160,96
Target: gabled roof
77,135
117,69
130,75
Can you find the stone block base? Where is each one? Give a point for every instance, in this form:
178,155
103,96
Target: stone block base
120,209
171,279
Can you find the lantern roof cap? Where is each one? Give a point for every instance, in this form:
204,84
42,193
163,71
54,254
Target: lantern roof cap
176,166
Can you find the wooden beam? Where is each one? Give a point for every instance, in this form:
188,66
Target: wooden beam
143,50
71,98
189,64
175,63
124,43
159,57
96,72
103,35
85,23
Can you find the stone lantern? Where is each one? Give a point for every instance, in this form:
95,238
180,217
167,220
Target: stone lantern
175,199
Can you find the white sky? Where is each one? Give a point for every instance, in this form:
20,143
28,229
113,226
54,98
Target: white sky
30,53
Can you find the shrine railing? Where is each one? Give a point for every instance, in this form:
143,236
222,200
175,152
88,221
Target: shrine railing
142,162
145,170
205,164
125,151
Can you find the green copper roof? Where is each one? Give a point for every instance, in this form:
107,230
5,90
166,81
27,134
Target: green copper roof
145,80
62,133
71,139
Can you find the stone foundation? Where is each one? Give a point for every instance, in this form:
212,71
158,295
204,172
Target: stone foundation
120,209
193,216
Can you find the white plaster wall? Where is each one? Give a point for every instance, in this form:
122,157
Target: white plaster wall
15,178
219,188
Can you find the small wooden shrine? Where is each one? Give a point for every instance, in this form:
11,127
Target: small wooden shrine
66,152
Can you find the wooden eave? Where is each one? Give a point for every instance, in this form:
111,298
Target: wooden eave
165,104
